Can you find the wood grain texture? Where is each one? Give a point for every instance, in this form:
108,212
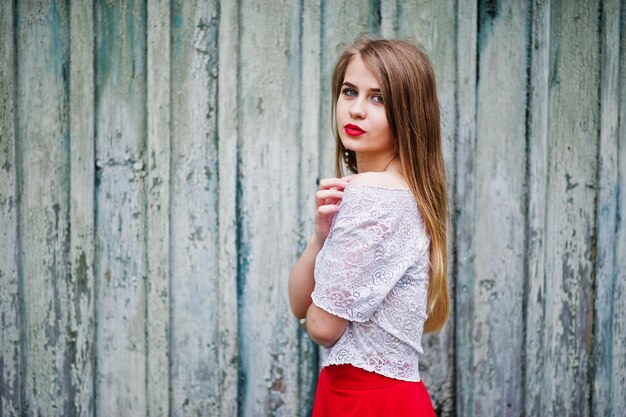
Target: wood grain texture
158,164
465,202
571,131
309,164
432,26
607,219
10,399
617,395
158,207
228,144
43,213
120,222
82,209
194,210
496,319
269,48
538,157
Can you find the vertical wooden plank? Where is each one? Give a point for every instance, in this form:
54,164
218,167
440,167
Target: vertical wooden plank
499,221
390,16
618,326
268,175
194,208
607,219
309,171
342,21
158,207
432,25
465,202
10,403
570,176
537,204
120,252
228,139
43,169
82,209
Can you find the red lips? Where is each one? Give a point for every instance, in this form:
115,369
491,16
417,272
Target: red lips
353,130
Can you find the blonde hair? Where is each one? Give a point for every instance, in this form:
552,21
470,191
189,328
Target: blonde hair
409,92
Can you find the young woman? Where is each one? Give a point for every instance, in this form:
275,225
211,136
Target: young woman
373,277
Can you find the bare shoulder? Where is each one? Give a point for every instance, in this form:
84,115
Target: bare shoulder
379,179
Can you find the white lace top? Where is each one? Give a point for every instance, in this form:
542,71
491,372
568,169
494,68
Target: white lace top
373,271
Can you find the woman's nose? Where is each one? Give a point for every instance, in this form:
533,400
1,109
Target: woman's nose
357,110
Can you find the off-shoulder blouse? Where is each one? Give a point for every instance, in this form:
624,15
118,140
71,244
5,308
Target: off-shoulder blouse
373,271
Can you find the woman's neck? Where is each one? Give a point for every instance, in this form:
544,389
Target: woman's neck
376,163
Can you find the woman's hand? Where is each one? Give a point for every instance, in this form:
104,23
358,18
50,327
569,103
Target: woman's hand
327,201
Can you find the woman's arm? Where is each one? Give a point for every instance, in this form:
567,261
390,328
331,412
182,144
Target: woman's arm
301,278
324,328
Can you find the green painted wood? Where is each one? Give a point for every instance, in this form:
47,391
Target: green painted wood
536,221
309,165
10,379
158,207
42,139
465,201
228,144
82,353
120,222
432,25
496,320
194,210
618,325
160,161
610,382
605,402
566,302
268,171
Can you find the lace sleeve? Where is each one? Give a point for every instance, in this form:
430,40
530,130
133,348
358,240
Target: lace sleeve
368,250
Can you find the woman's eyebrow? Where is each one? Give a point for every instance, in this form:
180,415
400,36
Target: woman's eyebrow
349,84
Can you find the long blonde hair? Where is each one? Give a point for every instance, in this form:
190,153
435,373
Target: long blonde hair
409,92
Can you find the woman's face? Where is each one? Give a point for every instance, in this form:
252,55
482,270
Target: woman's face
360,113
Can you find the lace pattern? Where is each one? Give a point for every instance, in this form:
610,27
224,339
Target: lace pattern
373,271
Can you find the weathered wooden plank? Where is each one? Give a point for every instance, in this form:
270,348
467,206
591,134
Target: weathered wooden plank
308,136
465,201
120,253
617,373
389,17
606,220
10,401
534,378
82,208
158,207
194,204
432,25
496,342
342,21
268,206
570,176
618,325
43,169
228,141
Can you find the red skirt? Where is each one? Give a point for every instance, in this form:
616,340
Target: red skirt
347,391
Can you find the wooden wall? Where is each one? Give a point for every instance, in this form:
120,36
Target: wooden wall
158,162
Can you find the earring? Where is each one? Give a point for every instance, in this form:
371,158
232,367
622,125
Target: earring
345,158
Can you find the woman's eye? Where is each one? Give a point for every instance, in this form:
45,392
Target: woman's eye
349,92
378,99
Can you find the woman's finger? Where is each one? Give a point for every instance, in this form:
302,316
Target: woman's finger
327,209
328,183
323,195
